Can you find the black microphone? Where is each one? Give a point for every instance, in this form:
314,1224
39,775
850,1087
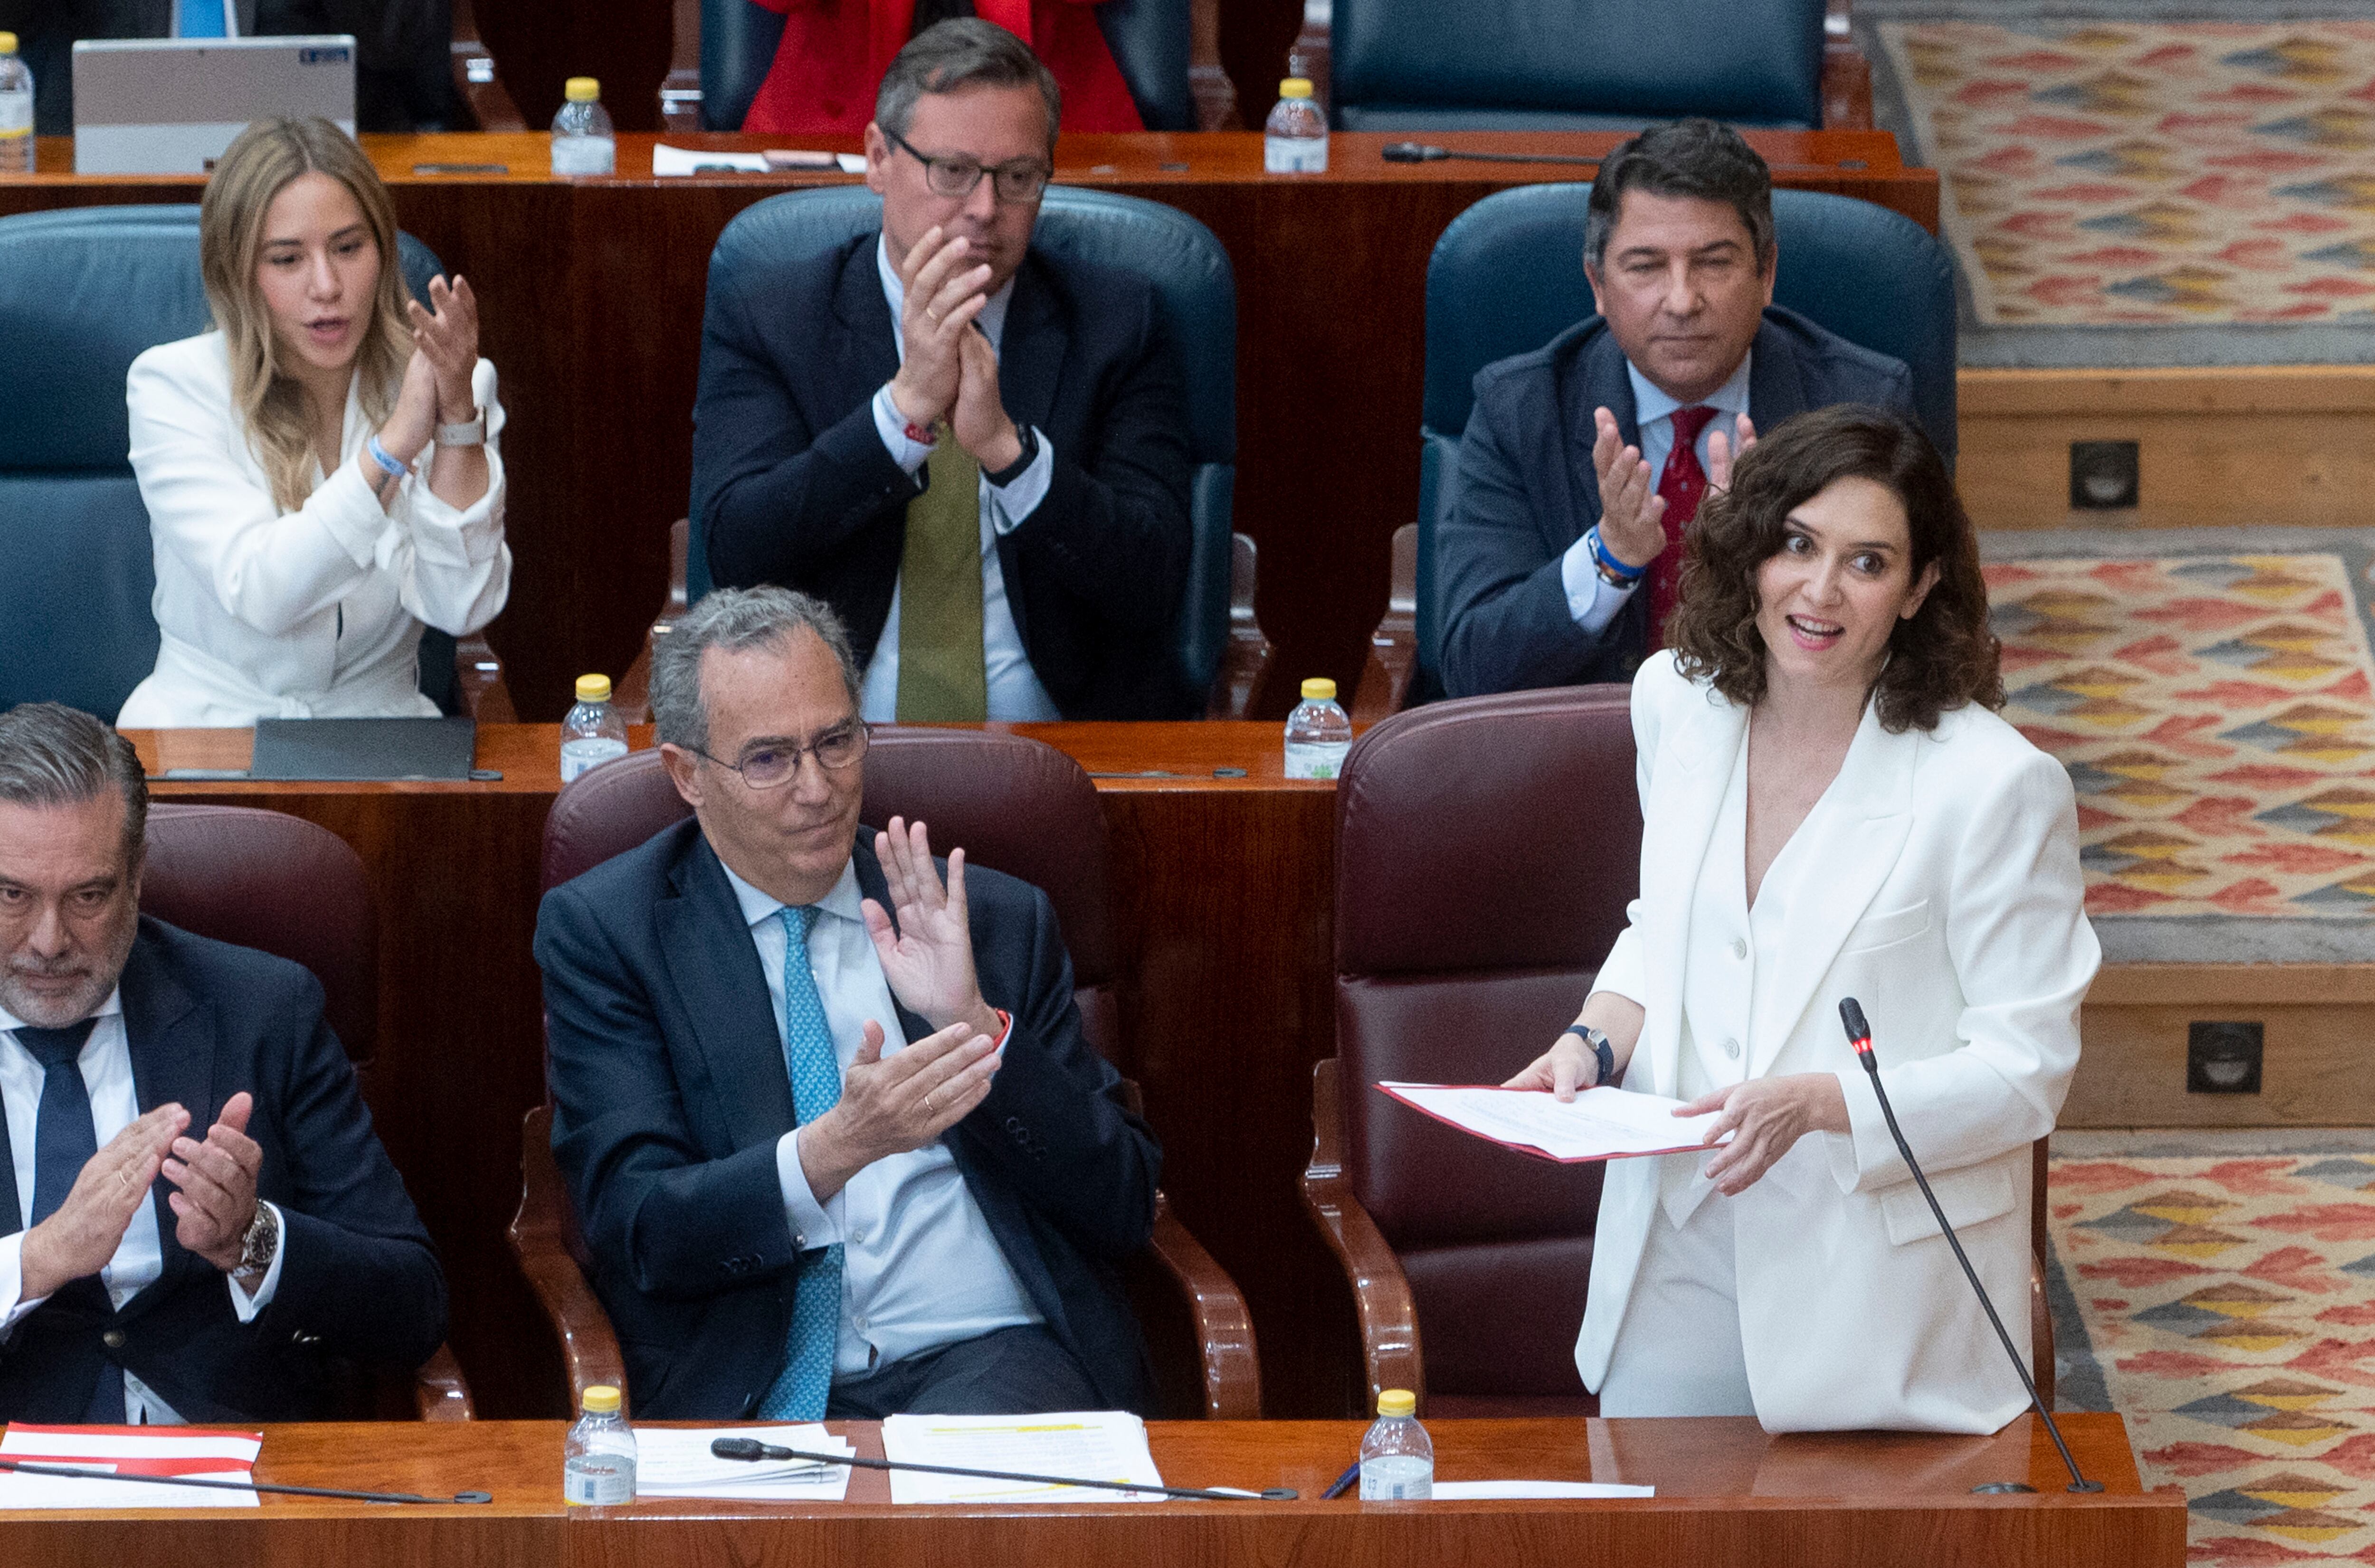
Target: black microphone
78,1472
1426,152
751,1448
1860,1036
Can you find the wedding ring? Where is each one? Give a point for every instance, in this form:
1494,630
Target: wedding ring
933,316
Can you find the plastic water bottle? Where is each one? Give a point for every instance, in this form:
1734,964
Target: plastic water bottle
1397,1459
15,110
598,1459
582,140
1318,733
592,733
1295,140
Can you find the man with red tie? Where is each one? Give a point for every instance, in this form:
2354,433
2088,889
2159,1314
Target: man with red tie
1583,462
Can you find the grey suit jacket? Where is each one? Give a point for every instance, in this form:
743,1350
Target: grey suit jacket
1525,489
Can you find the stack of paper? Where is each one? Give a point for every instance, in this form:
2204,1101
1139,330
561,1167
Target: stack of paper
676,1462
1599,1124
1093,1445
126,1451
1485,1490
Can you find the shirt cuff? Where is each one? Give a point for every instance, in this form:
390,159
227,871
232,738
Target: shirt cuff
813,1224
1591,599
245,1305
12,1284
892,426
1011,504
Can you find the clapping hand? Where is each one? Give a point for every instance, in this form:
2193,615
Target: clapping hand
217,1178
77,1241
927,955
980,421
1632,513
944,292
437,387
1720,453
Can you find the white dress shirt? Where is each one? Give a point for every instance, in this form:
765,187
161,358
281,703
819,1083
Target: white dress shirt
1592,601
106,1066
1014,689
315,613
920,1270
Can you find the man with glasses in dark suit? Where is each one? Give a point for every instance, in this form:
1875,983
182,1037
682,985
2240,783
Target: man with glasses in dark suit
824,1107
974,449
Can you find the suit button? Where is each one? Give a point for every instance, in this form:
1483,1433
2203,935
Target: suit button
113,1339
302,1337
1732,1049
1739,947
1014,1126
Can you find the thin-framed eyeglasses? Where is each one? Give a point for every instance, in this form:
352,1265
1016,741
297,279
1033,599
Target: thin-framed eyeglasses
1016,180
768,764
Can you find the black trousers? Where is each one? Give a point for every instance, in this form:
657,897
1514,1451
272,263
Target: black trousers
1012,1372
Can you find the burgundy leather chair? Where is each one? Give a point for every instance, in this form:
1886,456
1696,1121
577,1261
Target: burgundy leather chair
1016,805
294,888
1485,852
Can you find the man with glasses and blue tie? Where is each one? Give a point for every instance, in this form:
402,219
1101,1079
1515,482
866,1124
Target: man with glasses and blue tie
833,1134
976,451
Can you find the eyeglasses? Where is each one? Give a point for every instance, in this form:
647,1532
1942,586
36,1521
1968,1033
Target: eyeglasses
1019,180
773,763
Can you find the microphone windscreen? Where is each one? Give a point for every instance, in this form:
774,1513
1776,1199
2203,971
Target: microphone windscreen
1852,1015
738,1448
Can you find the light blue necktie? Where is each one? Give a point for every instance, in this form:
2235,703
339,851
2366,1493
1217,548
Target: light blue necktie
800,1392
202,19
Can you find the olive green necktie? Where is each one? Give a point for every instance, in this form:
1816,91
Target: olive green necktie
941,678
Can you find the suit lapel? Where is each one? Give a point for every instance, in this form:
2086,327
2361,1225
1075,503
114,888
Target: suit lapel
865,344
1851,842
172,1043
1031,344
1776,390
709,954
1694,769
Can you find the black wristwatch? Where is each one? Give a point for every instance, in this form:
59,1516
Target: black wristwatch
1013,471
1600,1048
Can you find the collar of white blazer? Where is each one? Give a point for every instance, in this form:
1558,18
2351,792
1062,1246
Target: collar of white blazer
1858,833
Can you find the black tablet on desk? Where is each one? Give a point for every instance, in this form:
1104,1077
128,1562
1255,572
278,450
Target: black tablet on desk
364,750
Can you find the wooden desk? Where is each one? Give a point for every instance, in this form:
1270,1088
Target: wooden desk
593,293
1727,1493
1222,888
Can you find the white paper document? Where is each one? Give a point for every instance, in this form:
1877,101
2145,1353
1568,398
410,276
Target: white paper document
676,1462
1487,1490
670,161
207,1456
1599,1124
1095,1444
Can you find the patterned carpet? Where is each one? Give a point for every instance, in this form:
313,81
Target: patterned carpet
2101,172
2229,1305
2216,713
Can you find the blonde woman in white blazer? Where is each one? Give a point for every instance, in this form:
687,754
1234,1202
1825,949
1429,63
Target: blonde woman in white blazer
1831,809
320,470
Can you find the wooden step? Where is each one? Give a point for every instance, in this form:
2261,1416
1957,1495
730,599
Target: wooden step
2319,1045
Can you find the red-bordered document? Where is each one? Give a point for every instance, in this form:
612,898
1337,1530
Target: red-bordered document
1598,1124
126,1451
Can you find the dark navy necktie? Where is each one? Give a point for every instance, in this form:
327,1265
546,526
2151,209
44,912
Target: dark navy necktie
65,1140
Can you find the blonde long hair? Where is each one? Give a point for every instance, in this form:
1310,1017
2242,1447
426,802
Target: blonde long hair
270,403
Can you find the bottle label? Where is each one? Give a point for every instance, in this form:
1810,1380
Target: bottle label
591,751
1397,1478
598,1481
15,114
1314,759
1295,155
584,154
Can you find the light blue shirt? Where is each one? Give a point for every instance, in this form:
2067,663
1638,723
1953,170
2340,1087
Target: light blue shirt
920,1270
1014,689
1590,600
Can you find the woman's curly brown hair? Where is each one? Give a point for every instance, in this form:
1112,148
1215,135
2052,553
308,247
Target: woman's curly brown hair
1941,658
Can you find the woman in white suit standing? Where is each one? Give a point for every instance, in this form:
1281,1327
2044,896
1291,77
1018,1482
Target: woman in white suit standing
1831,808
320,470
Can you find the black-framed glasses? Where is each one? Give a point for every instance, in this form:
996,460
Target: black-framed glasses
1019,180
768,764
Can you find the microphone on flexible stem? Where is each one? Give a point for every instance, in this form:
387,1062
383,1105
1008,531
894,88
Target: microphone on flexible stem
1860,1036
751,1448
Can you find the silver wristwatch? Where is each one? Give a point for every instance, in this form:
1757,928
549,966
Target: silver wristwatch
472,431
262,1239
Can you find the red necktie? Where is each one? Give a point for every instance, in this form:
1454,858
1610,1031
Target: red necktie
1681,485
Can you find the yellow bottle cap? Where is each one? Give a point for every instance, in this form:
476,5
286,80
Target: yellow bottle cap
581,89
1295,86
7,43
593,688
1319,688
1390,1402
603,1400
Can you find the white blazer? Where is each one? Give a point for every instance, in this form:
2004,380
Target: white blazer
1951,906
305,614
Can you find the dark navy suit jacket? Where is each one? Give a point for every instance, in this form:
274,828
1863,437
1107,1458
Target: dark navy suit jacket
792,485
1526,490
670,1092
360,1280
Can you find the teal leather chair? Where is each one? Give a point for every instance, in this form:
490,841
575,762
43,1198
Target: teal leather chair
1197,292
83,292
1507,276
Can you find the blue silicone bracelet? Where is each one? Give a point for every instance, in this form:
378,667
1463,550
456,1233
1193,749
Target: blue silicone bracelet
1599,554
379,454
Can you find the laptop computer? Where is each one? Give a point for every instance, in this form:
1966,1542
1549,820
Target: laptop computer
171,105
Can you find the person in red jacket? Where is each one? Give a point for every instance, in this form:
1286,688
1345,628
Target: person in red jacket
834,53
